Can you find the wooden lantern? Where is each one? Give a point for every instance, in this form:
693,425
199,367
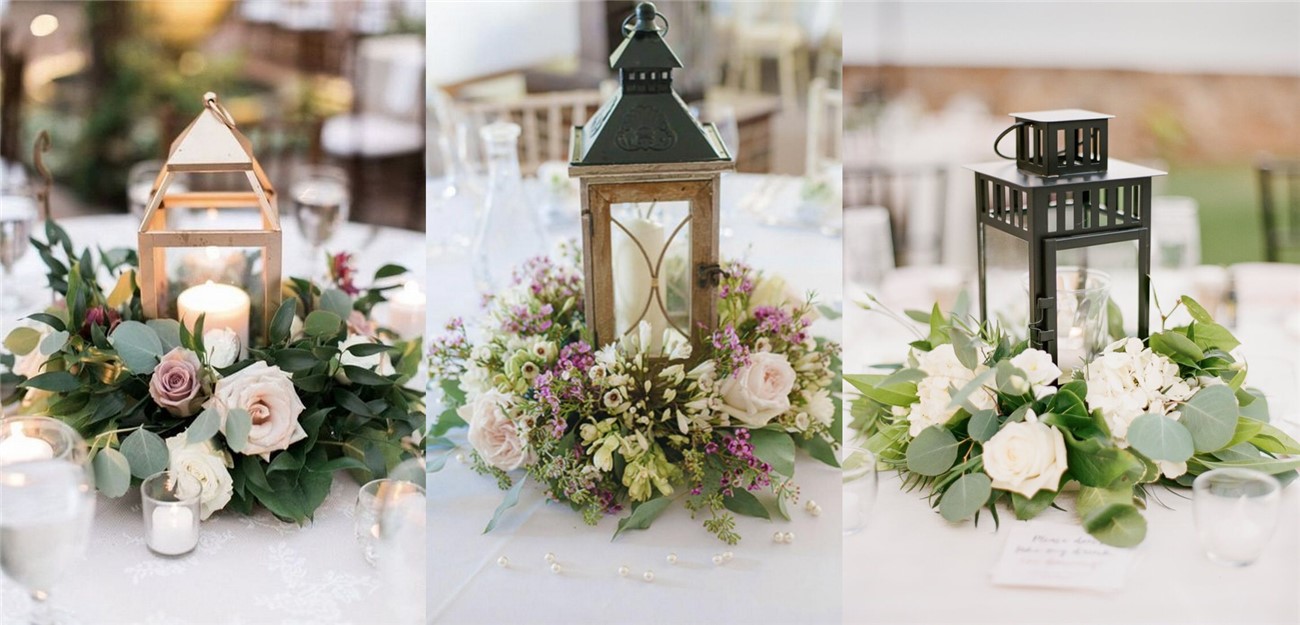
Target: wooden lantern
210,145
649,175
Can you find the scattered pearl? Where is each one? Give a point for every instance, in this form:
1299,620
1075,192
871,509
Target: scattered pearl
810,505
789,537
555,568
550,558
717,560
623,571
503,562
727,556
816,511
460,458
778,537
672,558
648,576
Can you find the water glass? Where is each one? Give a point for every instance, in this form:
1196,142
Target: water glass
321,200
1081,318
139,185
861,483
18,215
1236,513
378,502
170,503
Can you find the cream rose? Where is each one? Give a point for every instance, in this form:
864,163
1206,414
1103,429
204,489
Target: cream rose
759,391
267,394
1026,457
208,466
493,434
222,346
177,381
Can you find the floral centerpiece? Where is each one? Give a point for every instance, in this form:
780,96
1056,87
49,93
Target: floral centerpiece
604,428
980,419
326,393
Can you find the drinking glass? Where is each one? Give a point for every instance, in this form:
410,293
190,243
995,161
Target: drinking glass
1081,318
321,202
1236,513
400,553
861,482
47,504
170,503
18,214
376,499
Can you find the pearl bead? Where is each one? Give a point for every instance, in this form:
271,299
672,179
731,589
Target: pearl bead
460,458
717,560
810,505
648,576
778,537
816,511
550,558
789,537
672,558
727,556
503,561
623,571
555,568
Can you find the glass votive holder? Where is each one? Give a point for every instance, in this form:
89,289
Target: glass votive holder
1236,513
170,503
377,503
36,438
858,468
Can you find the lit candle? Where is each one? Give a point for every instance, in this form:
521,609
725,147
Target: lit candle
634,284
173,531
19,447
1072,352
406,311
223,306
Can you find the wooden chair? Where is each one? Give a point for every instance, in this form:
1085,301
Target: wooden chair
1279,179
768,30
545,119
825,143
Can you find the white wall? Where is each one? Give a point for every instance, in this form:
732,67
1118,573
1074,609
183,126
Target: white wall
469,39
1212,37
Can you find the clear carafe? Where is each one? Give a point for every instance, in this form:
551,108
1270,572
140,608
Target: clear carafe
509,230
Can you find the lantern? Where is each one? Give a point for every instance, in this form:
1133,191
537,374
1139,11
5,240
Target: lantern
649,176
212,253
1064,193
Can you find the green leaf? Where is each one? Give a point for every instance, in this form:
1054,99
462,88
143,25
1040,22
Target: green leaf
49,320
112,472
365,377
349,401
1097,465
203,427
1160,438
54,342
1273,440
932,452
1029,507
1114,320
983,425
322,323
282,323
294,360
897,394
744,502
820,449
238,425
145,451
775,448
22,340
368,349
138,345
1212,335
168,331
965,497
1211,416
1117,525
388,271
975,385
512,498
1197,311
1257,409
1177,347
964,348
337,302
1272,466
54,382
643,514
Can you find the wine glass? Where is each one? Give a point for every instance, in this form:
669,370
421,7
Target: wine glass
139,185
321,203
376,501
47,504
18,214
859,489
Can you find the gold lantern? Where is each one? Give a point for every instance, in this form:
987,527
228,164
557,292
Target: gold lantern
215,253
649,175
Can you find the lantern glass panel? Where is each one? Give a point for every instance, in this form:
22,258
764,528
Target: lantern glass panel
237,266
651,252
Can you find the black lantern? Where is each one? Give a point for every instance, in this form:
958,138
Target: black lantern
650,180
1063,193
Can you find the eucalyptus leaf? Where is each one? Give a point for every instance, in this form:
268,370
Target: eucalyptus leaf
145,451
54,342
511,498
983,425
643,514
775,448
1117,525
322,323
1159,437
112,472
1211,416
932,452
54,382
168,331
965,497
337,302
238,425
138,345
203,427
22,340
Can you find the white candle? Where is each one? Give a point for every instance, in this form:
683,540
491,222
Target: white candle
223,306
173,530
1071,352
19,447
633,282
406,311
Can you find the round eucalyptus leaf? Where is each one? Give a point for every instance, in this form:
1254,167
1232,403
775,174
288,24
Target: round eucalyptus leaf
965,497
932,452
1161,438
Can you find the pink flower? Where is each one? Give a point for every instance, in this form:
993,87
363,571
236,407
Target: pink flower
343,273
100,316
759,391
267,394
177,382
493,434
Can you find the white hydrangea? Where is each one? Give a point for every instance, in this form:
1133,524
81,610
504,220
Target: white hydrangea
943,371
1039,369
1128,380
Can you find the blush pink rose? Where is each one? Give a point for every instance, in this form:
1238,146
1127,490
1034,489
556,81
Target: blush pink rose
759,391
177,383
268,395
493,434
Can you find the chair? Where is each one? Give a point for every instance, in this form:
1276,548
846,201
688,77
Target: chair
763,31
545,119
868,245
1281,218
825,144
915,197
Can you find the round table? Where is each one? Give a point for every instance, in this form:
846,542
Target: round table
253,569
766,582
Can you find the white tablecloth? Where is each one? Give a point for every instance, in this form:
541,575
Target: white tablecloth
910,566
246,570
765,583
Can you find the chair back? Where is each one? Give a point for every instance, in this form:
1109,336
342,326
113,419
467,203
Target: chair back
916,198
545,119
825,143
1279,201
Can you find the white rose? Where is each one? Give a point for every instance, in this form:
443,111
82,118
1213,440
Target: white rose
1038,366
1025,457
267,394
759,391
379,363
493,434
222,345
208,466
32,363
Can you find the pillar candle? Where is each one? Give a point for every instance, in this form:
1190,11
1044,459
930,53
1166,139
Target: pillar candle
634,284
223,305
406,311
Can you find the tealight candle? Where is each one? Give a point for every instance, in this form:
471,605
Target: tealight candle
173,531
223,306
19,447
170,505
406,311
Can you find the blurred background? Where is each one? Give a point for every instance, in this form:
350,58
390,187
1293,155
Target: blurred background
333,84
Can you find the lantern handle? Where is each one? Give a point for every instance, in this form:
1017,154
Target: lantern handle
999,140
210,101
627,28
41,146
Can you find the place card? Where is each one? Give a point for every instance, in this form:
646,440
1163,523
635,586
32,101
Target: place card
1041,554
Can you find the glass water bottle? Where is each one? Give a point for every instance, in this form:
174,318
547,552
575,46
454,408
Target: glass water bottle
509,229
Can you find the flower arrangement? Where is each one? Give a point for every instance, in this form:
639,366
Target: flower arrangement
979,418
326,393
604,428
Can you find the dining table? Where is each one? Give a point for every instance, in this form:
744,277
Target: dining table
764,582
246,569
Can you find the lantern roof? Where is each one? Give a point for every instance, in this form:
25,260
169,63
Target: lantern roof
1007,171
1060,115
645,122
